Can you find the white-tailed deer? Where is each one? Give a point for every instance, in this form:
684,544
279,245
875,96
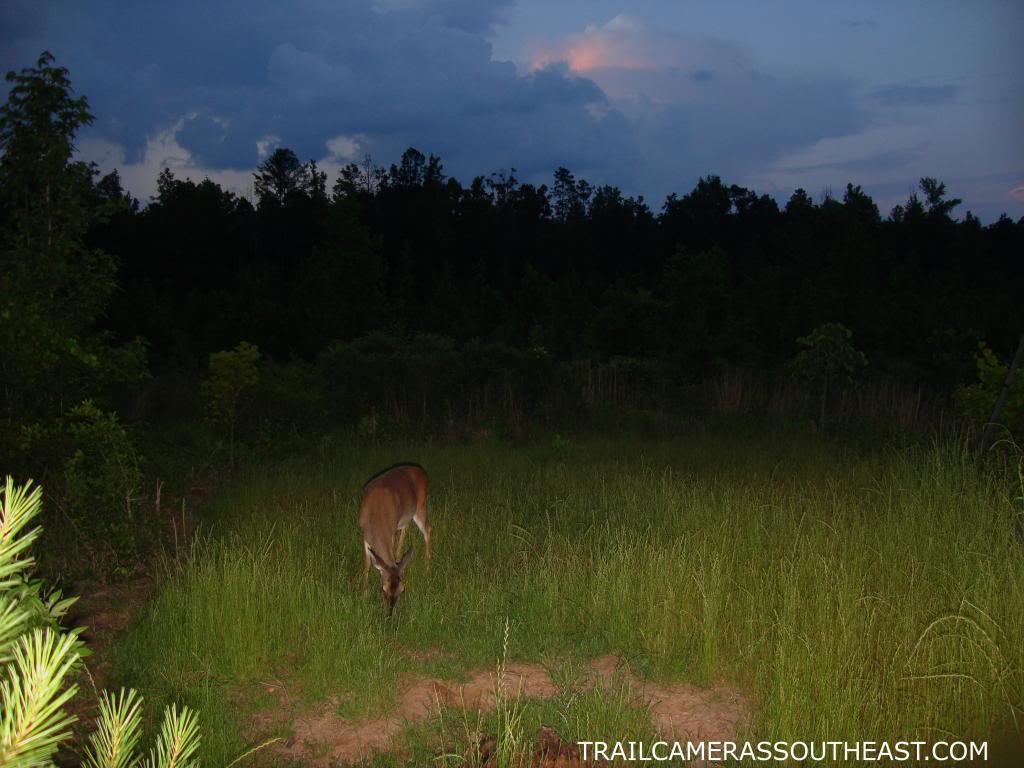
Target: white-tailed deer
390,500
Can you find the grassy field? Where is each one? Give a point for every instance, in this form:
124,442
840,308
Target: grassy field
852,595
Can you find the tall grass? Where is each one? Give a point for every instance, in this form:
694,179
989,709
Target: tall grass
859,596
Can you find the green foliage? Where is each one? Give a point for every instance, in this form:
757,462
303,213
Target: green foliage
101,477
429,380
977,399
34,722
53,286
951,356
288,400
117,734
36,659
231,376
827,362
38,662
95,480
177,742
627,324
25,603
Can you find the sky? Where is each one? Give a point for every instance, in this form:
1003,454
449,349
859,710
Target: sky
647,96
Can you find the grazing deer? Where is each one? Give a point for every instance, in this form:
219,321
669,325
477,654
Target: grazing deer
390,500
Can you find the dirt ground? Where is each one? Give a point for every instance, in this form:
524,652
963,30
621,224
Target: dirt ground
104,610
322,738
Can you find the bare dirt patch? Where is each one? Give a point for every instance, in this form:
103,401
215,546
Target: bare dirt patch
681,712
104,610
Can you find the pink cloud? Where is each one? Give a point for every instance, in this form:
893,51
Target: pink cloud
621,43
629,60
1017,193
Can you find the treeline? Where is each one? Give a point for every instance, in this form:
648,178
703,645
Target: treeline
718,276
400,294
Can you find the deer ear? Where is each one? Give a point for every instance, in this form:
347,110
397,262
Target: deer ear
404,562
377,562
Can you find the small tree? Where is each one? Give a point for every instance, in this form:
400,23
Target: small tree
38,657
976,399
231,375
827,362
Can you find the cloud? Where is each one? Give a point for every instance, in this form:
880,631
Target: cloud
196,130
390,71
467,15
217,86
859,23
625,43
161,151
888,160
914,95
698,104
621,43
345,148
266,144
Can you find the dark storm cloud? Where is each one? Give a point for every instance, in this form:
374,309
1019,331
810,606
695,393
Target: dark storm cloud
232,78
914,95
390,71
859,23
202,130
468,15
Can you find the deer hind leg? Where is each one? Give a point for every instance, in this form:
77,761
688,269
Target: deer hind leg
420,518
366,562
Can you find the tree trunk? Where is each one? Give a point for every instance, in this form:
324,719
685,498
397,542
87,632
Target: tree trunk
987,434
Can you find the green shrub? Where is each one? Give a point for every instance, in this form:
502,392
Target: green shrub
287,404
231,377
426,381
976,400
95,478
827,363
101,475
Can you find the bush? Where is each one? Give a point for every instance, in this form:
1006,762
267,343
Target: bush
287,405
977,400
96,478
388,384
231,377
827,362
